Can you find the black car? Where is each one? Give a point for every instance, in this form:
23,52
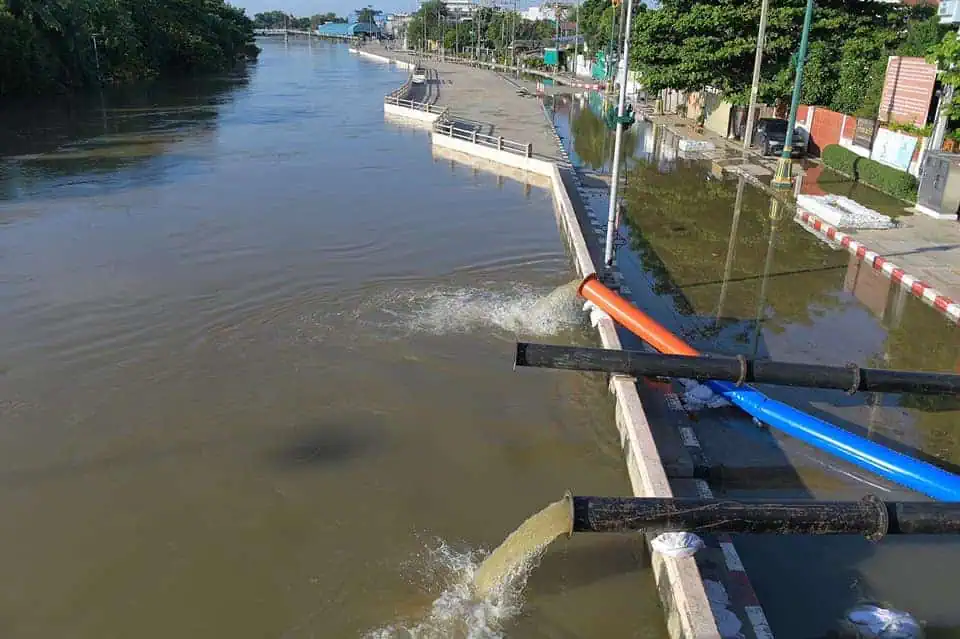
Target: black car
770,135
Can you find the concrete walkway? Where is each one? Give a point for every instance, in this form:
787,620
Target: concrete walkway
926,248
491,102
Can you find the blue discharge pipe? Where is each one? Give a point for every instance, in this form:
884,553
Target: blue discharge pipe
899,468
905,470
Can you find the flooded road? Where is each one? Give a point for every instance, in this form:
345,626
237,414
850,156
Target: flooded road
717,263
255,371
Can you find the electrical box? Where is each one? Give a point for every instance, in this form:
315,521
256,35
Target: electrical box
949,11
940,183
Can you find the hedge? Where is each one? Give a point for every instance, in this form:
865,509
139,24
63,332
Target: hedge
880,176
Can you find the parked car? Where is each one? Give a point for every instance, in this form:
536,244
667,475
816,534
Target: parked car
770,135
419,75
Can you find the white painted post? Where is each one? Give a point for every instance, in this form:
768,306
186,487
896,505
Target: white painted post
615,176
474,137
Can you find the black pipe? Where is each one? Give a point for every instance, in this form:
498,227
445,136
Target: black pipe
735,369
870,516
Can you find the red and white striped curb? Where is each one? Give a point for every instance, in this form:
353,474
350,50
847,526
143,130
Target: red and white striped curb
918,287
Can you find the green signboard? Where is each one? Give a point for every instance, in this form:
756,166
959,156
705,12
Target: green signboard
551,57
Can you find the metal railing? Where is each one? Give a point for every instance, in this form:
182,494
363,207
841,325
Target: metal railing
410,104
443,126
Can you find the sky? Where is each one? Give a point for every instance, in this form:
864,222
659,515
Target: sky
311,7
340,7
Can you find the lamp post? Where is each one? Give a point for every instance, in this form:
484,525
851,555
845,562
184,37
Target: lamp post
618,138
784,166
96,56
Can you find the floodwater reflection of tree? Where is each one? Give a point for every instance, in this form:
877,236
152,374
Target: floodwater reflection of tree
681,222
593,141
103,132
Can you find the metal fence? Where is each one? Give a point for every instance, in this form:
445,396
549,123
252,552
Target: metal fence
410,104
446,127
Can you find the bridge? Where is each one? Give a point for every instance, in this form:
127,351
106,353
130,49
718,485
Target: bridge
284,32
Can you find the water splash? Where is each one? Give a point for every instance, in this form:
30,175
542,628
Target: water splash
524,545
478,598
456,613
520,309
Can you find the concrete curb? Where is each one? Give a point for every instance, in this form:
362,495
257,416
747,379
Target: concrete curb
917,287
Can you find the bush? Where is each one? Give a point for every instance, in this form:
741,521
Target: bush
840,159
880,176
887,179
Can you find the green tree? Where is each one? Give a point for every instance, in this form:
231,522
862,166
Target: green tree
596,22
47,46
692,44
367,15
428,22
946,55
271,20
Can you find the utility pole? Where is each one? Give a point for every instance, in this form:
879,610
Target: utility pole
785,165
576,44
755,88
618,140
731,248
96,57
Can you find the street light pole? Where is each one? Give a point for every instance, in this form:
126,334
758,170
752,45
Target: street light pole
755,88
618,140
96,57
576,43
784,166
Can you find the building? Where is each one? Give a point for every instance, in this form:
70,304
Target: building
348,31
546,11
460,9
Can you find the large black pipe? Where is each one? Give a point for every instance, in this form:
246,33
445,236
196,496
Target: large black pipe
870,516
735,369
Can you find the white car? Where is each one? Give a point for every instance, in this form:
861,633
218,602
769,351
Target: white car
419,75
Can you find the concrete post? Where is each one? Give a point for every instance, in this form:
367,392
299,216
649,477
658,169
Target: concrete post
529,150
500,143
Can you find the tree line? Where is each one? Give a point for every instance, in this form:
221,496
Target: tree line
488,29
281,20
56,46
689,45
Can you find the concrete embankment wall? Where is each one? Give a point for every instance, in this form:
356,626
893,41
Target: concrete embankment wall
680,585
379,58
411,114
534,165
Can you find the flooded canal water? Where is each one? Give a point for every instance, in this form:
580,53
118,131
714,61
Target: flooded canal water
716,262
255,371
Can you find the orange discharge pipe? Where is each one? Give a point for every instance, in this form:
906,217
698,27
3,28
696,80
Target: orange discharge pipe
633,319
889,464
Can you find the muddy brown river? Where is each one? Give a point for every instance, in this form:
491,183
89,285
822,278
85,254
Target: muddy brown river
255,372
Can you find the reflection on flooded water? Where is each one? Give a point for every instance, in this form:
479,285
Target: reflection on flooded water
256,361
719,263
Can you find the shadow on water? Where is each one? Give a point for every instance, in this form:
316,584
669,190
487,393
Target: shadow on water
720,265
319,444
125,130
323,445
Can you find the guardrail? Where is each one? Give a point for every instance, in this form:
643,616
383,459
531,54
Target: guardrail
410,104
445,127
403,89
